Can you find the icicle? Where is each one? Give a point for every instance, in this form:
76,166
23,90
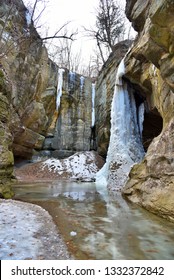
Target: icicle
59,88
125,147
93,104
28,18
141,118
82,80
72,77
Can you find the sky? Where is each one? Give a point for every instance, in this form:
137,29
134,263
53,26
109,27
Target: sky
79,13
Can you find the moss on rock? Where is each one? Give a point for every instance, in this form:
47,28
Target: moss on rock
6,191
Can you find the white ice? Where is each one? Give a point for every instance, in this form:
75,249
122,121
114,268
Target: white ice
82,80
28,18
93,104
59,88
125,147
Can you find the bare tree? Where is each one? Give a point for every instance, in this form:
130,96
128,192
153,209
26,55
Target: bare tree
93,67
36,9
12,35
64,55
110,24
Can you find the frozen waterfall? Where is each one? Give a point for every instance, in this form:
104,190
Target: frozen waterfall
59,88
71,82
82,80
125,147
141,118
93,104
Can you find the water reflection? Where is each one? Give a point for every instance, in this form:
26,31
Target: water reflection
103,227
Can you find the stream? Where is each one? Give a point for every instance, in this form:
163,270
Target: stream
97,226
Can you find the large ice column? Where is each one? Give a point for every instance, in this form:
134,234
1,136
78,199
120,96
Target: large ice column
93,105
59,88
125,147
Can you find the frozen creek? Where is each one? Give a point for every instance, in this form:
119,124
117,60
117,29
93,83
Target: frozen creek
95,225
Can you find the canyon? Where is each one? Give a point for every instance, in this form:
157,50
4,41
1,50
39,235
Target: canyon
46,111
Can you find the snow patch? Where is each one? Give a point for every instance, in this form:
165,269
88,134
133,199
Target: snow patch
79,165
27,232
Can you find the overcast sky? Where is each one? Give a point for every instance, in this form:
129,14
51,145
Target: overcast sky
79,13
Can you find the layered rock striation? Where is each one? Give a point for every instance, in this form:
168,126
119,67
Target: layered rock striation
28,93
70,130
149,68
24,81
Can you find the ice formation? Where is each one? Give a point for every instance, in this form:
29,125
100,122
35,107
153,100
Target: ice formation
82,80
71,82
141,118
125,147
59,88
28,17
93,104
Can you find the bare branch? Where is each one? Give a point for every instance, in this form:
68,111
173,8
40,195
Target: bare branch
109,25
59,37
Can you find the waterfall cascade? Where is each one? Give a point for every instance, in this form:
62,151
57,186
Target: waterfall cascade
59,88
93,105
125,147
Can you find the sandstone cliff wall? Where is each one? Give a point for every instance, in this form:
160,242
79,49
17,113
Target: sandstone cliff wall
150,68
70,130
28,89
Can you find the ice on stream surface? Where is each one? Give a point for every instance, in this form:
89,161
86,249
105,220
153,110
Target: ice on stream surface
98,226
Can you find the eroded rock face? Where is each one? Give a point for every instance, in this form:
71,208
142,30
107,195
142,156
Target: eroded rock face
27,70
28,85
149,66
26,108
70,130
6,158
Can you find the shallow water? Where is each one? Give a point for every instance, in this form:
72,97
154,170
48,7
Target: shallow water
95,225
